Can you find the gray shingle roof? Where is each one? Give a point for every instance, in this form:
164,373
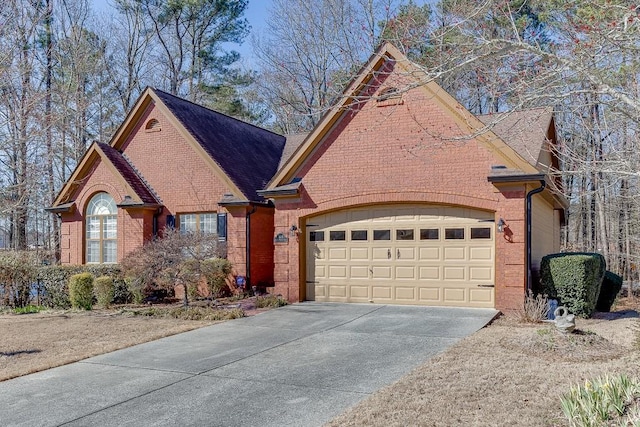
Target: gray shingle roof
128,173
525,131
248,155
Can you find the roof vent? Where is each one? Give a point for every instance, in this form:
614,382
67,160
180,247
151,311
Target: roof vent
152,126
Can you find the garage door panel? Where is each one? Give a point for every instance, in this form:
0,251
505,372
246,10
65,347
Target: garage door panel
429,295
405,293
359,272
383,253
480,273
320,272
359,254
406,254
453,273
405,273
429,273
455,253
381,272
337,272
481,295
359,292
480,253
337,291
381,292
337,254
455,295
318,252
319,291
429,254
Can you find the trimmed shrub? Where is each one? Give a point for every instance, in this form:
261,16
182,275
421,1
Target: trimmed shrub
216,271
105,290
611,285
81,291
54,280
573,279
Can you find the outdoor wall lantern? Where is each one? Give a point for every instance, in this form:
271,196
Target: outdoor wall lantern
293,230
501,224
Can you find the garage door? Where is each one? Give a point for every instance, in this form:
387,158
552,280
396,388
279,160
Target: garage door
427,255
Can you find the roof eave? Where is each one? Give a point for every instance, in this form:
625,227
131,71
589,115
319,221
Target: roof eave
63,208
516,178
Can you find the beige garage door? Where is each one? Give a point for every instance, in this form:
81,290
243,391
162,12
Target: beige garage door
433,255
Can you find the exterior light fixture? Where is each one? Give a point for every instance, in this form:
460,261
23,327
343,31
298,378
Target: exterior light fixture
501,224
293,230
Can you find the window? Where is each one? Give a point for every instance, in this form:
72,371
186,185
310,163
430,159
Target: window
102,230
316,236
404,234
337,235
429,234
359,235
480,232
381,234
454,233
198,222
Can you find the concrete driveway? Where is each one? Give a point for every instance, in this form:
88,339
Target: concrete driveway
299,365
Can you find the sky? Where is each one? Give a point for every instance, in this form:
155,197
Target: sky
256,14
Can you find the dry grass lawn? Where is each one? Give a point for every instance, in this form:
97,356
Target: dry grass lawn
33,342
507,374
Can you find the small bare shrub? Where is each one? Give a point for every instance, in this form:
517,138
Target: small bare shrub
104,290
81,291
535,308
18,273
177,259
216,271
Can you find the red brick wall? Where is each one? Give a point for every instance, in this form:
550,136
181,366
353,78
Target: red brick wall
262,234
180,177
394,154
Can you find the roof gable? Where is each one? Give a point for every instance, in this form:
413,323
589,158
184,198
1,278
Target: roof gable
525,131
140,193
354,94
247,154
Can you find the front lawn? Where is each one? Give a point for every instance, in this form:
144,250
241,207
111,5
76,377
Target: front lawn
507,374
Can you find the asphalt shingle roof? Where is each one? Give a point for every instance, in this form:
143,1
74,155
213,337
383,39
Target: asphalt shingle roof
525,131
248,155
128,173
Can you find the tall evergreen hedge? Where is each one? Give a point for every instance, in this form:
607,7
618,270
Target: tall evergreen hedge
574,279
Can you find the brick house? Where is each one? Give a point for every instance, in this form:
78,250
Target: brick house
399,195
173,163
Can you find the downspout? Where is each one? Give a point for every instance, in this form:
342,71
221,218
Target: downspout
248,245
543,185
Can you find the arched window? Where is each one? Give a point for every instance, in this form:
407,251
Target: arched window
102,229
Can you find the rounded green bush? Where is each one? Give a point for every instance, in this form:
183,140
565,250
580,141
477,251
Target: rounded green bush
105,290
81,291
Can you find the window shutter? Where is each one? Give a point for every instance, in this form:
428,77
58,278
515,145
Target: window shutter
222,226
